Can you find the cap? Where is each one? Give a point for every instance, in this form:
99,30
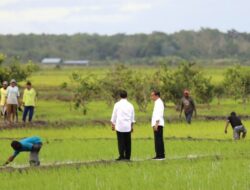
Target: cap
13,81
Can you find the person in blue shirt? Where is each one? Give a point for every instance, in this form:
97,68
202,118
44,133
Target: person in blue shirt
30,144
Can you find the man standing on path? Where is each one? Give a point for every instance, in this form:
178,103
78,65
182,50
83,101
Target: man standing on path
32,145
157,124
12,100
122,121
3,94
188,105
237,126
29,98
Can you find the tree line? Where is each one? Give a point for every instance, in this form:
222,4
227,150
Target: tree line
203,44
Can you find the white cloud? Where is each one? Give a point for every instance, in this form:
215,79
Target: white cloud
136,7
7,2
35,15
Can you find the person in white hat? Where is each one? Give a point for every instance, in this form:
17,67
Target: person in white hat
12,100
3,94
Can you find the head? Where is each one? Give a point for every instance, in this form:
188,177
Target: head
233,114
123,94
28,85
13,82
155,94
16,145
186,93
5,84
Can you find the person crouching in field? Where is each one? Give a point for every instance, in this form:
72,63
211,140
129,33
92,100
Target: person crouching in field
3,94
32,145
188,105
29,99
12,101
238,127
122,121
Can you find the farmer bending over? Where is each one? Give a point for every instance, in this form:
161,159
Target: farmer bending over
32,145
237,126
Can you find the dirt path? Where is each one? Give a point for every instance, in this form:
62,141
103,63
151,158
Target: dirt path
77,165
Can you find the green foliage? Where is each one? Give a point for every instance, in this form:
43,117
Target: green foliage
204,44
85,91
141,90
16,70
219,91
237,83
118,78
185,77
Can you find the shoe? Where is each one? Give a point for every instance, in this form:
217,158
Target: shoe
158,158
119,159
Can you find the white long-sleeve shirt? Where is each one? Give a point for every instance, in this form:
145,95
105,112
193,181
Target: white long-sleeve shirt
123,116
158,113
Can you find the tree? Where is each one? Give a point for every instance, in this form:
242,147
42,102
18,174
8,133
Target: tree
237,83
118,78
16,70
86,89
141,87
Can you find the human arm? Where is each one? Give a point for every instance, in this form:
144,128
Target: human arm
227,123
132,119
194,106
11,158
181,109
113,118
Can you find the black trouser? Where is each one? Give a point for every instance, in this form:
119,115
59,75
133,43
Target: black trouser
124,144
189,116
159,143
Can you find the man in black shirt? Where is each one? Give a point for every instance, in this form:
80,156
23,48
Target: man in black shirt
237,126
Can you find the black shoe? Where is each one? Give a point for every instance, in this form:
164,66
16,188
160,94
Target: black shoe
158,158
119,159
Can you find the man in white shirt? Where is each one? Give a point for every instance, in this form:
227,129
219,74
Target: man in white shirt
123,118
12,100
157,124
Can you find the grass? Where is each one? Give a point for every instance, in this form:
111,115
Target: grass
71,136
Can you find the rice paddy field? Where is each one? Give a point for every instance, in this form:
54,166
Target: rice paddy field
79,151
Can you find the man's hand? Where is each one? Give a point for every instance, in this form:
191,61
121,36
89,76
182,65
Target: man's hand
112,127
156,127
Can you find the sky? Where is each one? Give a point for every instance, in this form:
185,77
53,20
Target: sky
121,16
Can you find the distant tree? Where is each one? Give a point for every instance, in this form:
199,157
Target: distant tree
118,78
140,88
237,83
16,70
219,91
85,91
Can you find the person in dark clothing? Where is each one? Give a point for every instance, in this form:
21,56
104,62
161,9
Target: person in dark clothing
238,127
188,105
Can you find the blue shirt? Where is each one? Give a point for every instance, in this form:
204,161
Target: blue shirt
27,144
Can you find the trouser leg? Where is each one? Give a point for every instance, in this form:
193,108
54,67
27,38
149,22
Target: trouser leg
31,112
121,144
159,142
236,133
25,113
189,116
34,155
127,145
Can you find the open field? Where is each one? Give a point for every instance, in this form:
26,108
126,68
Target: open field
199,156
